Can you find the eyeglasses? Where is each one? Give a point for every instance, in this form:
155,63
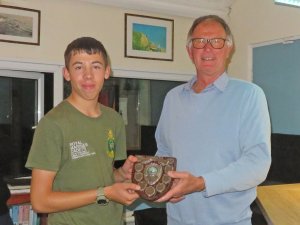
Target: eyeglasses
216,43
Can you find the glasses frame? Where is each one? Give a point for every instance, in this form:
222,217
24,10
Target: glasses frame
208,41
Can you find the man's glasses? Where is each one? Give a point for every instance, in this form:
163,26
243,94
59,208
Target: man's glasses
216,43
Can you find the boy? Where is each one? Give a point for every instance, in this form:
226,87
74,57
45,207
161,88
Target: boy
75,145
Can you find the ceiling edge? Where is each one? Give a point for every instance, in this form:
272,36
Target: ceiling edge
163,8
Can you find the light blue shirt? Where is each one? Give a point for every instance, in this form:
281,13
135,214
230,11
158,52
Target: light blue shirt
223,135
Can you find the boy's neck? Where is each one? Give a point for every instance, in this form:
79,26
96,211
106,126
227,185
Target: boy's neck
89,108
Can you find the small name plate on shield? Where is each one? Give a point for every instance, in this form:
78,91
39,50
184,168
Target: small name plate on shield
150,172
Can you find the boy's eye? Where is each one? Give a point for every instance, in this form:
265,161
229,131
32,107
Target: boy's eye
78,67
98,67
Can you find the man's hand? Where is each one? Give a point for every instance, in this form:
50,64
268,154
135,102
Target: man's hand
184,183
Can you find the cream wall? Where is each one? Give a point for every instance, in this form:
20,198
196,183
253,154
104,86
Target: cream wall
252,22
64,20
256,21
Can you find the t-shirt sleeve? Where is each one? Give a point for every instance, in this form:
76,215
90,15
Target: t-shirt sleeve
46,149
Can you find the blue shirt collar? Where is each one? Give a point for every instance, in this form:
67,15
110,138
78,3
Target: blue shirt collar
219,83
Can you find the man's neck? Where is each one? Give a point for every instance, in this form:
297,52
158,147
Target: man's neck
203,81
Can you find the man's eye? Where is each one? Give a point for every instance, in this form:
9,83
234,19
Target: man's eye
78,67
217,40
200,40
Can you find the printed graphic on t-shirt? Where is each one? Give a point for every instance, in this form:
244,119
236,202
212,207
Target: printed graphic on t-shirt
110,144
79,150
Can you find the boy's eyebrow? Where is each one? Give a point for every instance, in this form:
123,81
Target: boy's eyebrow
94,62
98,62
77,62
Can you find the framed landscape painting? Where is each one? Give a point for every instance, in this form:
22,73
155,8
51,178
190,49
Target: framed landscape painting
19,25
149,37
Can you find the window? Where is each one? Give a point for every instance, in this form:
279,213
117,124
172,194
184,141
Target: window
21,107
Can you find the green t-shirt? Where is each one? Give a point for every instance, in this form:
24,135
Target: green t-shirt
81,150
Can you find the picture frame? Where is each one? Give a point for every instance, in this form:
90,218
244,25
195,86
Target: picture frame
19,25
148,37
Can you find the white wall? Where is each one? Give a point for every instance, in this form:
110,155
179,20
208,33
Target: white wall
252,21
255,21
64,20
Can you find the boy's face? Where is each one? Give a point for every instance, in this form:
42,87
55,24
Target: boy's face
86,74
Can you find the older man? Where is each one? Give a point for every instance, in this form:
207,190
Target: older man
218,128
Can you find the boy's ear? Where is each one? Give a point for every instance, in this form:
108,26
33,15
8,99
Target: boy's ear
107,72
66,74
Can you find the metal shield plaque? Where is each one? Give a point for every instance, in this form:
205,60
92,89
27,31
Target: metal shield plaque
150,172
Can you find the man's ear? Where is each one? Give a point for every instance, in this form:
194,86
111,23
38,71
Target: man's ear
107,72
189,51
230,51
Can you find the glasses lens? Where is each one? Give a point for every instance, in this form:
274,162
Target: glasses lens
216,43
199,42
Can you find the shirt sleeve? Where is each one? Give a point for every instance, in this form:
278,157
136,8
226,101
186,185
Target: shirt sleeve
252,166
47,146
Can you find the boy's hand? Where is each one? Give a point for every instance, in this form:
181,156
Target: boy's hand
124,193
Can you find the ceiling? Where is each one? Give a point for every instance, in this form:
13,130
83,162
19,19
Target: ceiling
186,8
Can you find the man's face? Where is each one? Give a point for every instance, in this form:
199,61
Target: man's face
209,61
86,74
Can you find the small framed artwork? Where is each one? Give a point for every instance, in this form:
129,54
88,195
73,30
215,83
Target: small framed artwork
149,37
19,25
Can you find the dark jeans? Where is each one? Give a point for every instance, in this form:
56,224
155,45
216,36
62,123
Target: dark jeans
151,216
5,219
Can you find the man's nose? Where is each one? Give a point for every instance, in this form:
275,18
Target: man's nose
208,46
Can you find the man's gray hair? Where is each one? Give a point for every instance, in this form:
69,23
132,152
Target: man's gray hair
215,18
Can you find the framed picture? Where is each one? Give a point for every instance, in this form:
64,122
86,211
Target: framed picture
149,37
19,25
